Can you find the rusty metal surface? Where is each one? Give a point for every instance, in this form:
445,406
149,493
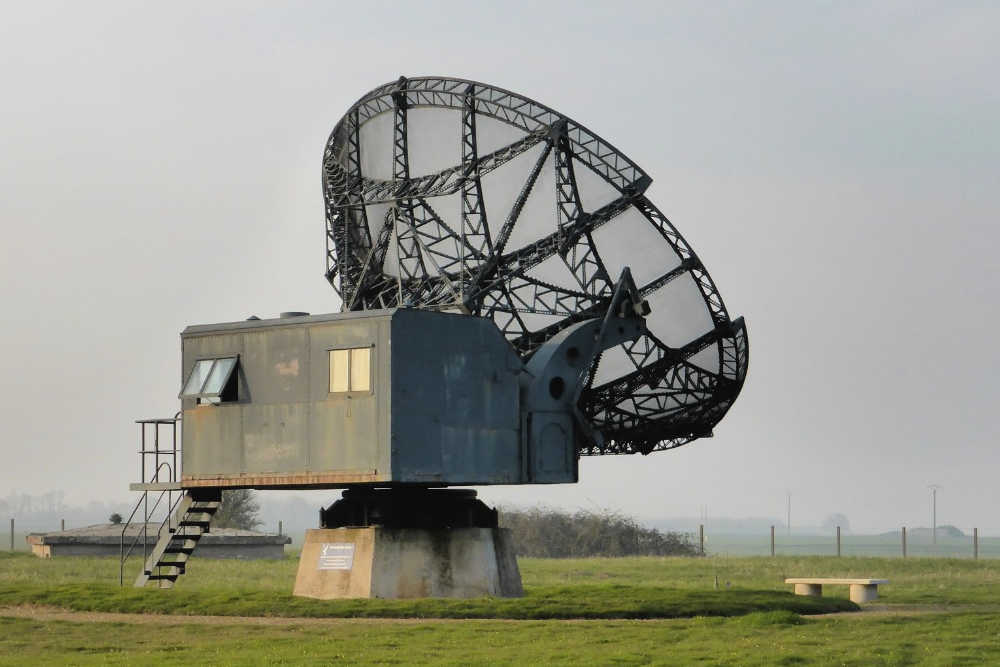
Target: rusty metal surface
325,480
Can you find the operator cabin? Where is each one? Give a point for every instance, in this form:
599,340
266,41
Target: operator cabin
381,397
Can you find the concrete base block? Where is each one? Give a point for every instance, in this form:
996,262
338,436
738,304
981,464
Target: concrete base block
815,590
379,562
861,593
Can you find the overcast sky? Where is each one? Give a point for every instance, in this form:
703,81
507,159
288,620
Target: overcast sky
836,167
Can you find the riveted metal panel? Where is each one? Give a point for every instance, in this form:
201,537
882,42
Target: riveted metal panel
345,437
350,431
455,412
215,436
276,437
281,363
552,456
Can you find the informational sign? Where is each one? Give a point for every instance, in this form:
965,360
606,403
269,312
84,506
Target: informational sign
336,556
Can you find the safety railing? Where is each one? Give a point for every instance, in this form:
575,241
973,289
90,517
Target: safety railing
158,452
164,462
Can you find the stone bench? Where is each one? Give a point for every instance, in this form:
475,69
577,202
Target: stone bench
862,590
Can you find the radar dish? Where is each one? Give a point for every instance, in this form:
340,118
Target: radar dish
456,195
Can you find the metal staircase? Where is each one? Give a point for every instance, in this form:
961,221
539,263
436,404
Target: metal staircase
186,514
178,536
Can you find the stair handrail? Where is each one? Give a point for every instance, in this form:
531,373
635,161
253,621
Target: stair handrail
173,476
123,554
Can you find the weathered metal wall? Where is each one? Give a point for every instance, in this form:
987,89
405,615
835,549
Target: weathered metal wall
455,406
443,409
287,429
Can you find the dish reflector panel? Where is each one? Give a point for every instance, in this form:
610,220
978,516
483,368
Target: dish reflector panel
450,194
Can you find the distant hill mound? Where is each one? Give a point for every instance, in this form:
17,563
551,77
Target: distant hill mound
921,533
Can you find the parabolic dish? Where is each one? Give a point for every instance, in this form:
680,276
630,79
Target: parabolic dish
456,195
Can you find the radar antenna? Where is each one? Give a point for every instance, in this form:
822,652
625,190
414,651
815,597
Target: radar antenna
440,194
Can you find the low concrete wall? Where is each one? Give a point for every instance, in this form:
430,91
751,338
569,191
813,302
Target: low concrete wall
379,562
241,552
106,540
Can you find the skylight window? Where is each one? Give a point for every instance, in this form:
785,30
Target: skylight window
212,381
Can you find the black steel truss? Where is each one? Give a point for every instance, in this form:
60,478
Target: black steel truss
664,400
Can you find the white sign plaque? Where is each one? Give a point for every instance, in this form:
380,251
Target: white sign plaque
336,556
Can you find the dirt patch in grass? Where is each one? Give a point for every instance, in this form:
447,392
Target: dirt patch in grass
883,610
47,613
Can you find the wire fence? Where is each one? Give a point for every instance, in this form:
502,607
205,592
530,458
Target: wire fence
898,545
774,543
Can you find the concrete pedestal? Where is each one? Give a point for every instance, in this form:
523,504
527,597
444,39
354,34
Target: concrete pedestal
381,562
861,593
815,590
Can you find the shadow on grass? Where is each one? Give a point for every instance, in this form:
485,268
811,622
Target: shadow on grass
584,601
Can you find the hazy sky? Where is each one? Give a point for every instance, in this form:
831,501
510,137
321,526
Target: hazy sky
836,167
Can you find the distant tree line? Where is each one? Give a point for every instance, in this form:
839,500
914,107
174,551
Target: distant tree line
547,533
23,504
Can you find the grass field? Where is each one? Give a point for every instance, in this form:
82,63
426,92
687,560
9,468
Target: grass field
581,611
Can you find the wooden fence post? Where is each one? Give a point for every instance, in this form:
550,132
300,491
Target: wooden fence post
701,538
975,544
904,541
838,541
772,541
12,533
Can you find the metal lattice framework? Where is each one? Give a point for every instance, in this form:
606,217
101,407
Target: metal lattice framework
410,255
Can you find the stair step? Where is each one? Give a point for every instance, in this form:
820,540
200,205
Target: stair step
174,547
194,529
205,505
177,558
184,531
181,547
165,568
204,525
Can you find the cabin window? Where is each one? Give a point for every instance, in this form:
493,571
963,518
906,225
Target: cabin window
351,370
212,381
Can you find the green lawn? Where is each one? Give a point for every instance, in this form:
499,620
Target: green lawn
913,580
945,581
759,639
262,588
753,620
